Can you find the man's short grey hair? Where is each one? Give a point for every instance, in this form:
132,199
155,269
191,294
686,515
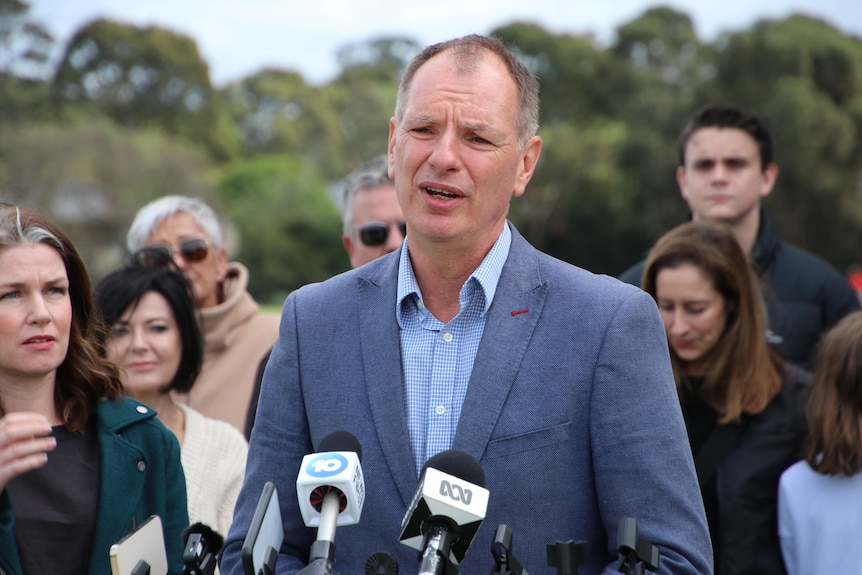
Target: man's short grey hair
372,174
155,212
468,52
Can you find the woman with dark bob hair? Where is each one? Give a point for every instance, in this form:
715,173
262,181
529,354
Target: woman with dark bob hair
743,407
820,498
156,344
80,465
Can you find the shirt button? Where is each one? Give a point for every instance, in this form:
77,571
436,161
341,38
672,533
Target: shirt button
141,466
141,409
440,410
447,337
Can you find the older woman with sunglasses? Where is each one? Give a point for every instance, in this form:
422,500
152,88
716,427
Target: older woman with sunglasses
237,335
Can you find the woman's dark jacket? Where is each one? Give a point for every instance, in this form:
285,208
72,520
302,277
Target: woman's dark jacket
738,466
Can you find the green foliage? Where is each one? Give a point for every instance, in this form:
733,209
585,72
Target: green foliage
277,112
582,205
363,95
144,78
805,77
289,229
92,177
568,68
610,117
25,48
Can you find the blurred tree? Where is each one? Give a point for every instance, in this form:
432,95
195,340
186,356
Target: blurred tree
660,62
805,77
289,228
92,177
581,205
382,58
25,51
363,95
145,78
277,112
605,188
572,71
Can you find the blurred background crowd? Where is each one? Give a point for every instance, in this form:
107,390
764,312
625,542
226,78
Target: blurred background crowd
94,127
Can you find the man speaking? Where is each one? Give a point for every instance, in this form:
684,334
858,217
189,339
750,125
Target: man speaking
556,380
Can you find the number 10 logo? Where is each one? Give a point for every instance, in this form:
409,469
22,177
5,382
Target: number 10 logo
326,465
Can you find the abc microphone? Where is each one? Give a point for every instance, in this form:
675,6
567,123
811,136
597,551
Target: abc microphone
446,511
331,491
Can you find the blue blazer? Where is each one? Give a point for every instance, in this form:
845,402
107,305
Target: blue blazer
571,410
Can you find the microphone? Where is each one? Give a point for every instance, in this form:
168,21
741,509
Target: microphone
200,550
331,491
446,511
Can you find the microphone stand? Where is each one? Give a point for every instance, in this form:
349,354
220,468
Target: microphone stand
435,557
567,556
635,555
501,548
321,556
321,559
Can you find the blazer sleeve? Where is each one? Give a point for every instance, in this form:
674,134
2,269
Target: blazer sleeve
278,440
643,463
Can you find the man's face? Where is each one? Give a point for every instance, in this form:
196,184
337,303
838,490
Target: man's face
722,178
374,207
455,157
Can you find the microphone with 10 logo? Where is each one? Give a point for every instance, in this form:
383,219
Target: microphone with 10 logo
331,491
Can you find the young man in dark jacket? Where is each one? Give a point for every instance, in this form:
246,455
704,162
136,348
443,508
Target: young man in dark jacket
726,168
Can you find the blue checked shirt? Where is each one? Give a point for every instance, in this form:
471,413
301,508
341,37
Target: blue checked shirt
438,358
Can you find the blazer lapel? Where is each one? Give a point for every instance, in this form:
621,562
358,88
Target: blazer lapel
511,320
381,354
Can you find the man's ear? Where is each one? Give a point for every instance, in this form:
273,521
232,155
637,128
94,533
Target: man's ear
348,244
529,159
680,181
770,174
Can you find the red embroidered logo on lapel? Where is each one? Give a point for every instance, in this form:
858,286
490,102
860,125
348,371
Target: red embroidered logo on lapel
519,311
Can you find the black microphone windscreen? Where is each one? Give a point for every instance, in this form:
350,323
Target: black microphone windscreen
210,536
340,441
458,463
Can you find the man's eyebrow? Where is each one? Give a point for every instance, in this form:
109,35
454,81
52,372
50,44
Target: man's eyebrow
477,126
420,118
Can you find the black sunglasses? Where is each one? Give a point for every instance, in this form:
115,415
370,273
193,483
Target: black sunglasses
191,250
376,233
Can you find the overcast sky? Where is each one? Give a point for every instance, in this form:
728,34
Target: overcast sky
239,37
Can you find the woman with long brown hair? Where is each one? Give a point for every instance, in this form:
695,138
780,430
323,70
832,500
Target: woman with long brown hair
80,465
743,406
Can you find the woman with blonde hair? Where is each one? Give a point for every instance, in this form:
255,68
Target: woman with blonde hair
743,407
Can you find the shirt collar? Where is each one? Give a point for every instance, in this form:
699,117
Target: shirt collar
487,275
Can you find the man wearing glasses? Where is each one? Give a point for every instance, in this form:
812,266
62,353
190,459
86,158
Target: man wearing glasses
373,222
237,335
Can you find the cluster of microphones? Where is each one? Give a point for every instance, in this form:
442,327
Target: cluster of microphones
441,521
